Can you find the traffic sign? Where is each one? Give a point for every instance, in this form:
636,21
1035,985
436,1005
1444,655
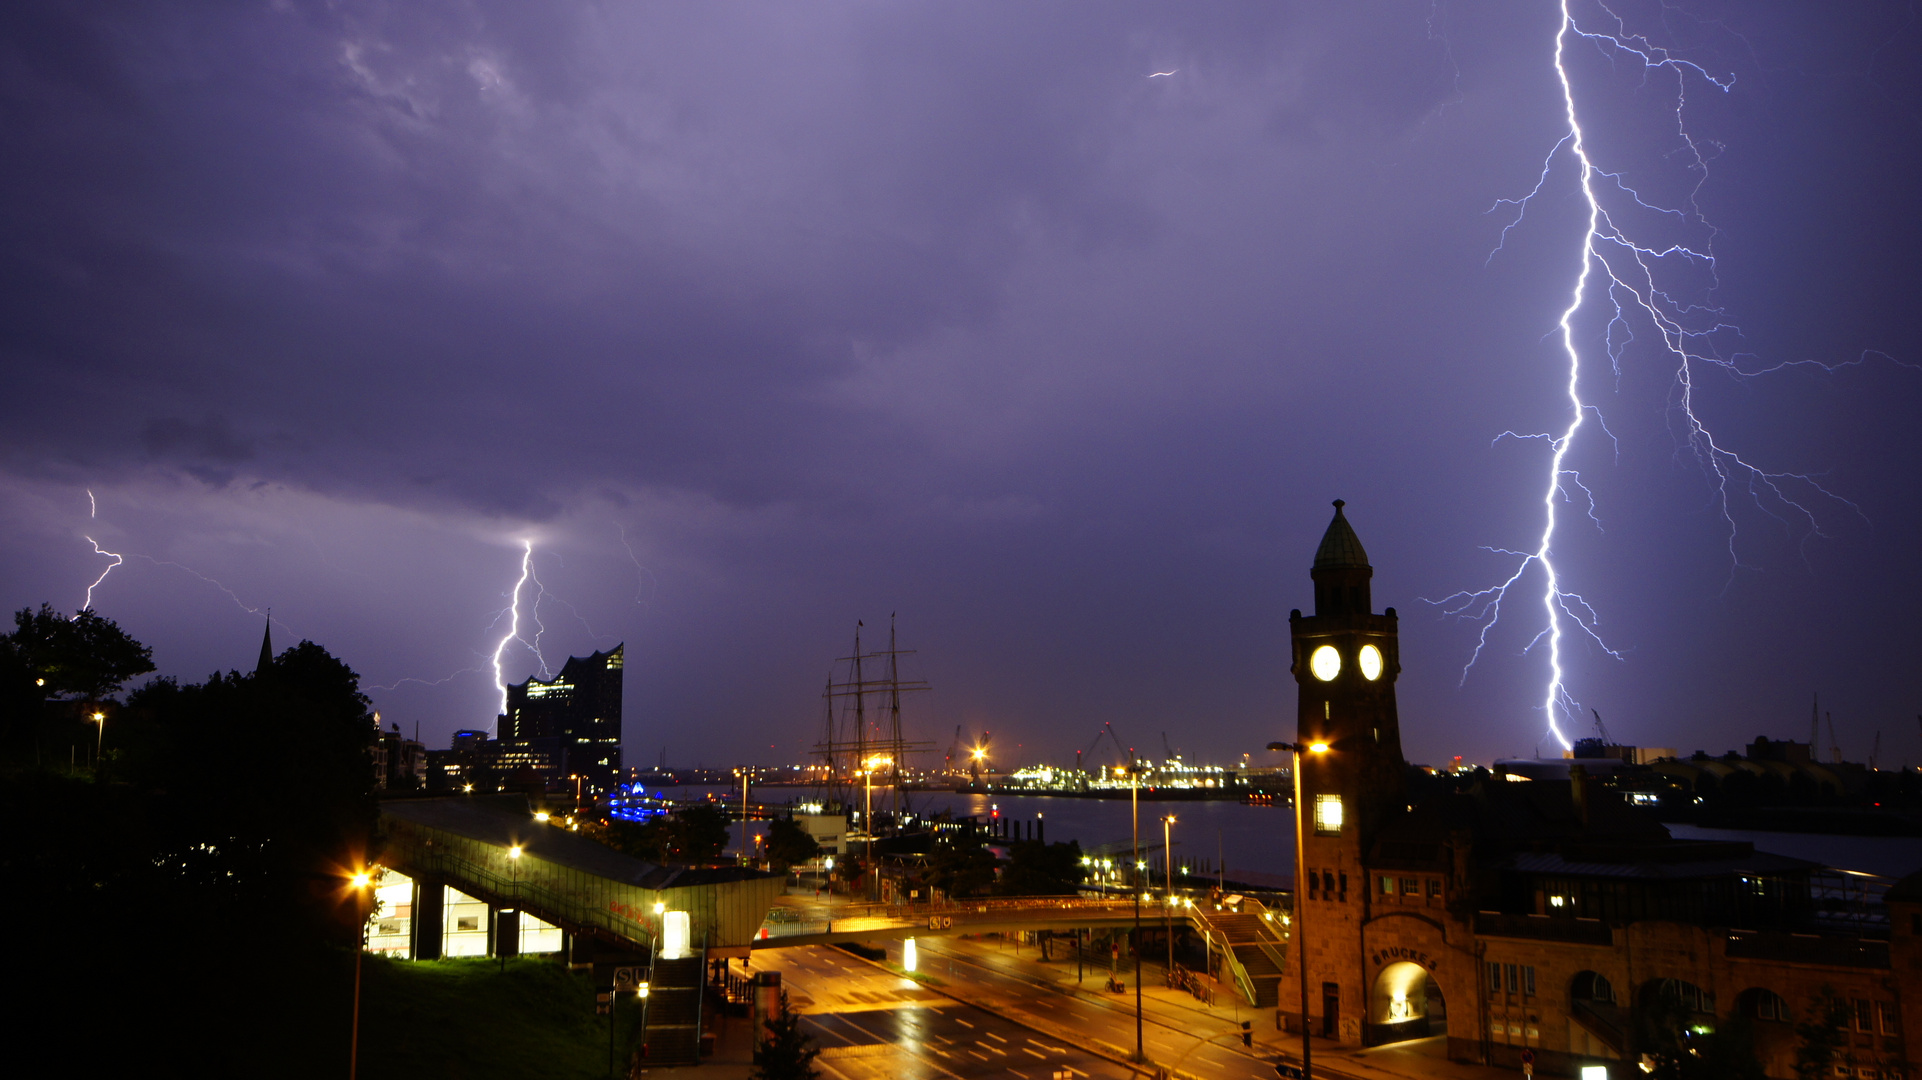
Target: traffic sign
629,979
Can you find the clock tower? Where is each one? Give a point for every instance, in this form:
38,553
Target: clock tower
1345,661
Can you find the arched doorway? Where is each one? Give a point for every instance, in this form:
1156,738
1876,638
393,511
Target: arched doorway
1405,1003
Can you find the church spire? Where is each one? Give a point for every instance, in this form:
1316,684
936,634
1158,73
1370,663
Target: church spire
266,647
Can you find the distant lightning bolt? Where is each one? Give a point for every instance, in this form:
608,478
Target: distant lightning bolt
1164,74
1644,281
87,605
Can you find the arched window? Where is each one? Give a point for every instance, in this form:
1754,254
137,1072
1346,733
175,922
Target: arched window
1763,1004
1592,986
1679,992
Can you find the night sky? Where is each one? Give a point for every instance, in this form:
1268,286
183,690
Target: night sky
758,319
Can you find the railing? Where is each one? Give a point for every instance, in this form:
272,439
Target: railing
1542,928
1202,990
852,918
1242,982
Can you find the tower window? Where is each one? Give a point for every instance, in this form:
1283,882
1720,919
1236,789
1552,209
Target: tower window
1328,815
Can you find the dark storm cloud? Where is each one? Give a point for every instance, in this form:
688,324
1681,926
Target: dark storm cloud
802,314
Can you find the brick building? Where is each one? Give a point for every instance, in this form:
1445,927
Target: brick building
1548,916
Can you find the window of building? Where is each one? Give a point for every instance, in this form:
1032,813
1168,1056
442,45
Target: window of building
1770,1005
1343,881
1886,1016
1387,885
1494,978
1528,980
1327,885
1512,977
1328,815
1314,884
1434,888
1864,1015
1411,886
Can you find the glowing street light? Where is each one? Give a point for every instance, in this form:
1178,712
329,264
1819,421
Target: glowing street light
1168,868
358,883
1298,943
867,815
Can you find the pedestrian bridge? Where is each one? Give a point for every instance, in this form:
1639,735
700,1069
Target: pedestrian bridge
1251,938
483,875
492,850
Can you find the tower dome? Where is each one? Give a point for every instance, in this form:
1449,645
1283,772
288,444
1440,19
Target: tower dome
1340,547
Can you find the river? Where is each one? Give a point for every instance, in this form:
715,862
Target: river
1259,840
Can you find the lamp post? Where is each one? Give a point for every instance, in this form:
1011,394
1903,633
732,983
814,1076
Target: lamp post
1134,881
1299,945
867,817
744,815
100,744
1168,866
514,863
359,882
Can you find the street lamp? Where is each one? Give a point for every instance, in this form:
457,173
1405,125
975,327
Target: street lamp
743,772
867,815
513,861
1134,886
1168,866
1299,946
358,883
101,719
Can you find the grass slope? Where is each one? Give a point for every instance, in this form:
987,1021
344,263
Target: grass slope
469,1020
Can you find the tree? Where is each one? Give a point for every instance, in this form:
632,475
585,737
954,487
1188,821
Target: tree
1038,869
960,869
788,844
86,656
788,1052
1824,1035
230,815
692,835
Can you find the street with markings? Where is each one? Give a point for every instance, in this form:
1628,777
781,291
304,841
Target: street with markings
875,1025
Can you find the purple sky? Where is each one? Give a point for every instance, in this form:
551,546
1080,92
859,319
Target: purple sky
759,319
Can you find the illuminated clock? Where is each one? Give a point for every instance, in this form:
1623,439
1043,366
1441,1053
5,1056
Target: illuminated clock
1325,662
1370,662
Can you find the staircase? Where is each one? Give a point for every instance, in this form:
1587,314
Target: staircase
1254,948
674,1012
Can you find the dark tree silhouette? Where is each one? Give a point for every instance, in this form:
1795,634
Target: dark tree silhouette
789,844
788,1052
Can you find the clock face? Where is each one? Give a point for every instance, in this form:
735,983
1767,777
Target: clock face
1370,662
1325,662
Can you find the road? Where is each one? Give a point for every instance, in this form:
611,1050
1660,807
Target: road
1200,1046
873,1025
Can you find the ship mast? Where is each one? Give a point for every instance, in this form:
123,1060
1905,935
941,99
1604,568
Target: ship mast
846,742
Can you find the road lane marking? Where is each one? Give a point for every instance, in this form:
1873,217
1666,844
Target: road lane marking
963,1023
1022,1075
993,1036
1025,1050
983,1057
1043,1046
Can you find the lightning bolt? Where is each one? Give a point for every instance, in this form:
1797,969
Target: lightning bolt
1644,281
87,605
512,612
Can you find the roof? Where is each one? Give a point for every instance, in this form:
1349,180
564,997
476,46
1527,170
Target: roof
1907,890
1760,862
1340,547
505,820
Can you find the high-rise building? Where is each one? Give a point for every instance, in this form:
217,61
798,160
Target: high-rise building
568,726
